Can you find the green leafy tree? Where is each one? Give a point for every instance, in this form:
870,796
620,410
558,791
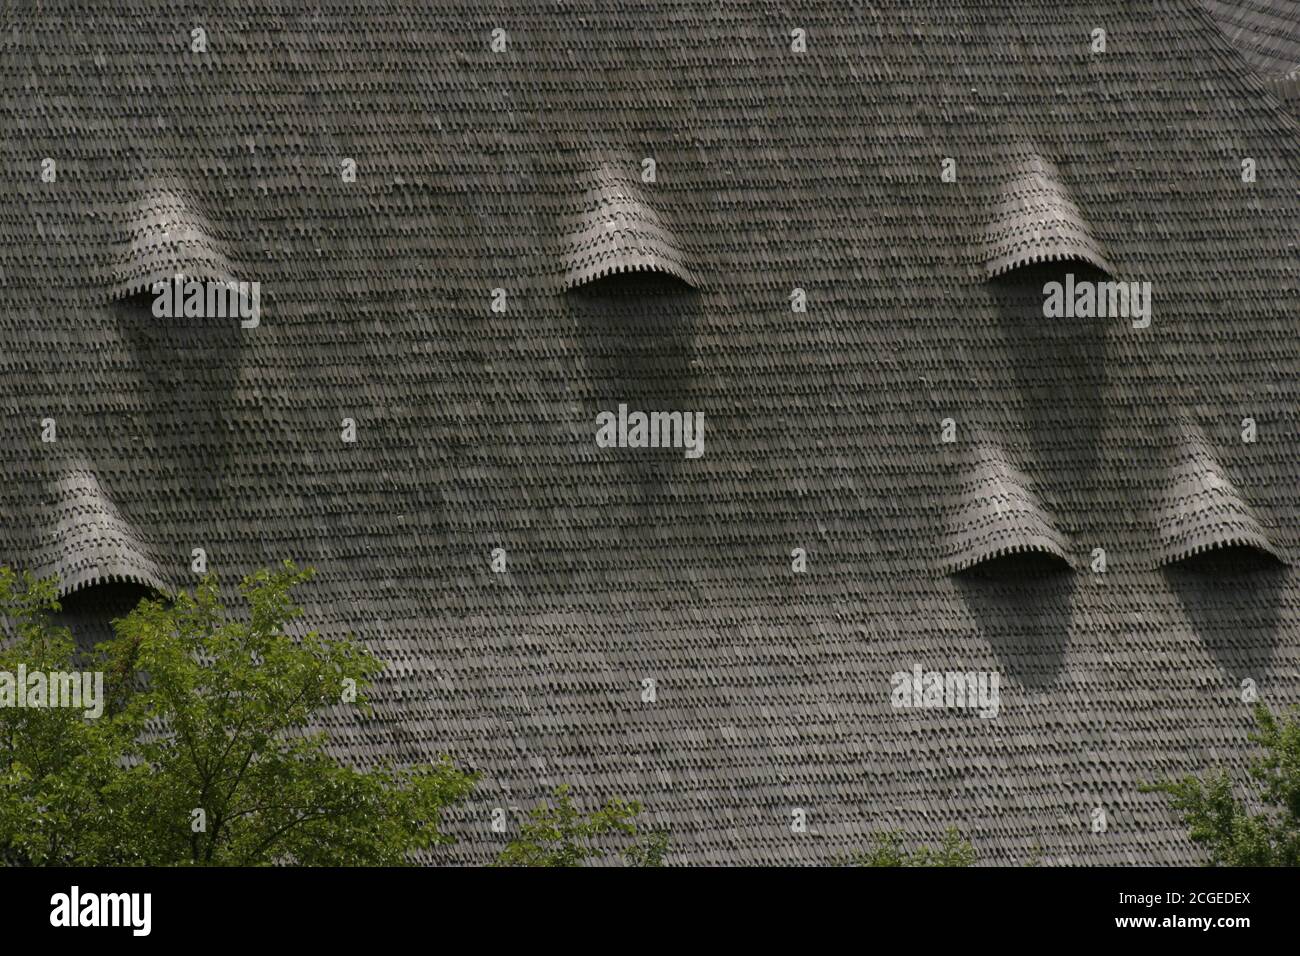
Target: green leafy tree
559,835
887,850
54,763
1224,823
203,755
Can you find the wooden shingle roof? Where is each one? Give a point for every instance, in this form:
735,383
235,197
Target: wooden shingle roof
836,308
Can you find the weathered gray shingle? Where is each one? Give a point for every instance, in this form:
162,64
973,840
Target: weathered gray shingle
776,171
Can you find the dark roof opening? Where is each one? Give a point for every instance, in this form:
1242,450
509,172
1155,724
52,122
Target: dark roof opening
1029,564
1229,560
633,284
90,611
1034,275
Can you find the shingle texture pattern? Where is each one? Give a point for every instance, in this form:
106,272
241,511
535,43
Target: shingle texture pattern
780,178
1267,34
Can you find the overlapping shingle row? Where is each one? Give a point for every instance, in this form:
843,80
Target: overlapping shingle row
1267,34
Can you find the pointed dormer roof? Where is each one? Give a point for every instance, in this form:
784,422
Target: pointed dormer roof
1200,509
92,543
997,513
1034,219
161,234
617,229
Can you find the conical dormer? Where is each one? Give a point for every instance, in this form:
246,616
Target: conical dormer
996,513
91,542
161,234
1200,510
615,229
1032,218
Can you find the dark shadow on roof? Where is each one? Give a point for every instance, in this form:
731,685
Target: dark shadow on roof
1058,363
1232,599
181,356
1024,617
640,350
